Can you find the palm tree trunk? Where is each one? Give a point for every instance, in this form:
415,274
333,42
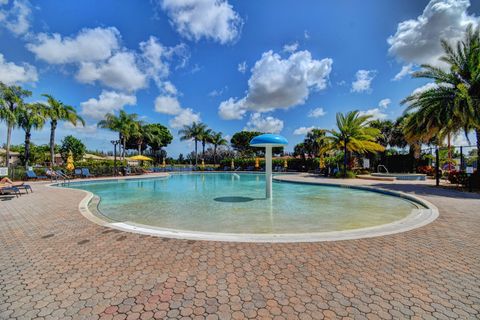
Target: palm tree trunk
124,146
27,147
214,154
345,159
140,149
477,133
53,126
9,141
449,151
196,154
203,149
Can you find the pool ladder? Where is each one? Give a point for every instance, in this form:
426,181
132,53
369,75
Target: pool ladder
381,166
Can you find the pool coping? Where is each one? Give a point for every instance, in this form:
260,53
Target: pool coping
418,218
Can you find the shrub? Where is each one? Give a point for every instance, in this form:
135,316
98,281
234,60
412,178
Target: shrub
428,170
350,174
457,177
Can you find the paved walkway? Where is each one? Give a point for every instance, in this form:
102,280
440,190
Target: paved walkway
55,264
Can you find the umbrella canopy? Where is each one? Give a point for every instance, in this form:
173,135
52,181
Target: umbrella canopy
140,158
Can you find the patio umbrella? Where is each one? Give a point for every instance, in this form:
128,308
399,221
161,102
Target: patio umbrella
140,158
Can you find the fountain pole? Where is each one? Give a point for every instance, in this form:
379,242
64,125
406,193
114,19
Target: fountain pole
268,171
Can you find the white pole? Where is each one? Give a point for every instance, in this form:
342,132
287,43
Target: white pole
268,171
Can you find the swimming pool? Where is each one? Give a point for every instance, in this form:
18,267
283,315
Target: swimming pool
227,203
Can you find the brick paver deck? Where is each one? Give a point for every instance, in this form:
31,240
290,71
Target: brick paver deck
55,264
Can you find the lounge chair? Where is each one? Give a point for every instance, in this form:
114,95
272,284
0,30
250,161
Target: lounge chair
86,173
32,175
7,189
77,173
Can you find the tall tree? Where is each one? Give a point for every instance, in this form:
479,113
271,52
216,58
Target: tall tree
11,98
73,145
205,137
459,84
354,134
58,111
217,140
30,116
193,132
240,141
122,124
157,136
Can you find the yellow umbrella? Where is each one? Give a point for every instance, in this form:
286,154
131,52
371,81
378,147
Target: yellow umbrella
140,158
232,165
70,165
257,163
321,162
163,163
285,164
203,164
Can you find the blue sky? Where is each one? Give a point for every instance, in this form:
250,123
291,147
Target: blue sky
273,66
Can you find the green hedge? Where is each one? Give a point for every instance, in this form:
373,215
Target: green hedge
292,163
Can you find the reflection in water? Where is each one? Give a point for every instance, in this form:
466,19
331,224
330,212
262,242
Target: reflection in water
236,199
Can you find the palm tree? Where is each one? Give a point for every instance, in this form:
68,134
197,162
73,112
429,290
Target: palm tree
354,135
460,85
11,98
205,137
58,111
30,116
217,140
122,124
193,131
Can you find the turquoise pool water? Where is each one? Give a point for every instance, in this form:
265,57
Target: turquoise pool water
235,203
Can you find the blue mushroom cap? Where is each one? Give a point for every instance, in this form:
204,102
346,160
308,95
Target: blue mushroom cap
268,139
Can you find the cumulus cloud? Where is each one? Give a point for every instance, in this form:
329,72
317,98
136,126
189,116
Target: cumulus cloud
363,80
107,102
210,19
242,67
17,18
406,70
88,129
156,58
88,45
185,117
316,113
279,83
11,73
418,40
167,105
376,114
303,131
119,72
384,103
290,48
267,124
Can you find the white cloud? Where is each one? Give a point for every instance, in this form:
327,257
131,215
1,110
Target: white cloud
157,56
118,72
108,101
16,18
384,103
88,129
290,48
210,19
406,70
376,114
169,88
88,45
242,67
306,35
363,80
303,130
232,109
167,105
418,40
268,124
279,83
185,117
316,113
11,73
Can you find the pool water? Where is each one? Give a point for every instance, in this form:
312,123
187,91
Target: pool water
235,203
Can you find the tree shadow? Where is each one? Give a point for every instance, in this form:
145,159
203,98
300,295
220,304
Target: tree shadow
235,199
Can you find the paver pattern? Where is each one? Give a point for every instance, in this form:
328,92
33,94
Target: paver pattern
55,264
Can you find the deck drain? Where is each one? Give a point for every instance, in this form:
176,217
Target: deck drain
48,236
83,241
